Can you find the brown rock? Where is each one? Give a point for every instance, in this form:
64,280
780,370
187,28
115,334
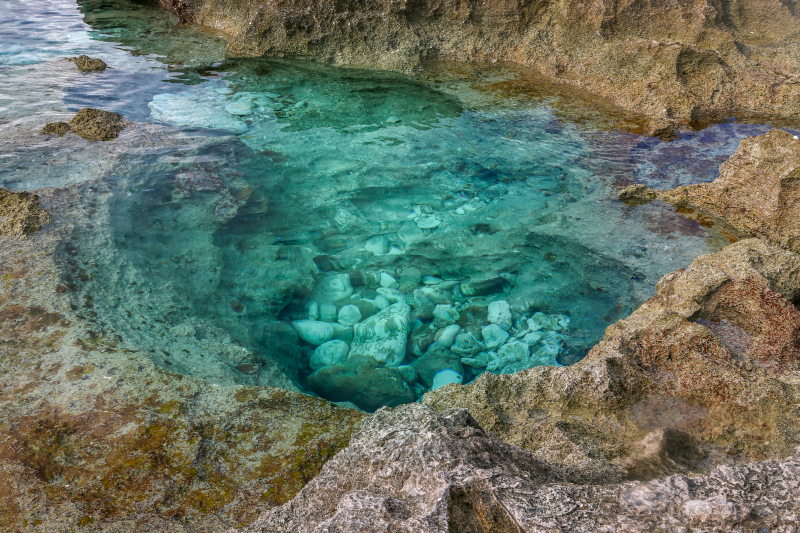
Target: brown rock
674,61
97,125
20,214
637,194
757,192
88,64
730,386
56,128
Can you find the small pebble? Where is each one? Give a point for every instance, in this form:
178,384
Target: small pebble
392,120
428,223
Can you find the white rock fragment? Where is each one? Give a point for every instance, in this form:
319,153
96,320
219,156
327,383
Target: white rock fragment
387,280
349,315
446,377
500,314
313,331
494,336
428,223
444,315
378,245
446,336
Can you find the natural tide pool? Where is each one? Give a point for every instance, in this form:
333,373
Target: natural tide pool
364,236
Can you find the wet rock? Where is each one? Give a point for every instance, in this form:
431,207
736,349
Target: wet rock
97,125
446,336
314,331
446,377
56,128
637,194
500,314
757,191
88,64
362,382
494,336
444,315
382,337
466,344
436,360
181,111
667,65
329,353
349,315
20,214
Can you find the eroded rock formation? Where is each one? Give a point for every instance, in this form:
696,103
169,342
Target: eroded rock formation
670,61
757,192
91,124
412,469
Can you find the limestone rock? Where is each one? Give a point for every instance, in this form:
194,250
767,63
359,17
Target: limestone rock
410,466
56,128
330,353
494,336
757,191
500,314
20,214
314,331
669,64
382,337
97,125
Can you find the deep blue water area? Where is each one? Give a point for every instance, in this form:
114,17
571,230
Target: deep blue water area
307,221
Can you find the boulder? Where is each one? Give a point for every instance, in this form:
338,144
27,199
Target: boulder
382,337
97,125
436,360
20,214
361,381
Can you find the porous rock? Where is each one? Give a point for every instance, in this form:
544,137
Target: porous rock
637,194
662,368
757,191
88,64
413,469
667,60
97,125
20,213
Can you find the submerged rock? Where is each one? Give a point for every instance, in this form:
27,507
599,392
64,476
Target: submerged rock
97,125
329,353
637,194
20,214
434,361
382,337
88,64
181,111
363,382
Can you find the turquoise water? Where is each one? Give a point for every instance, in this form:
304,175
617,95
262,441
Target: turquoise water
431,228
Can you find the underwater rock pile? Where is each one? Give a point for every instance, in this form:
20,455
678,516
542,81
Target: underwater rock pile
380,340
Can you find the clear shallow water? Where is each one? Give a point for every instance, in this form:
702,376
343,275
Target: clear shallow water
292,204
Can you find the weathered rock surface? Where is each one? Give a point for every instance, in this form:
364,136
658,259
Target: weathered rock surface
713,356
20,214
412,469
757,192
669,61
96,437
97,125
88,64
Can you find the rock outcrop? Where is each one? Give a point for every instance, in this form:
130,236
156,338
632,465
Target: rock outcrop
91,124
712,356
20,214
757,191
670,61
412,469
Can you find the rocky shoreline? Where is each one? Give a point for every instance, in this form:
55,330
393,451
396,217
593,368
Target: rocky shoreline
676,63
684,416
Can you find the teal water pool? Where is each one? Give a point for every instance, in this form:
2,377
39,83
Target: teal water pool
365,236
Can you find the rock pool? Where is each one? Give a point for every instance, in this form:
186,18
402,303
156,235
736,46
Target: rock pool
359,235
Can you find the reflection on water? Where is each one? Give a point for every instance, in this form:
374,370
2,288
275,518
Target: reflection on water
365,235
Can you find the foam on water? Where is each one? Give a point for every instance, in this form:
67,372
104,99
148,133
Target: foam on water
412,204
